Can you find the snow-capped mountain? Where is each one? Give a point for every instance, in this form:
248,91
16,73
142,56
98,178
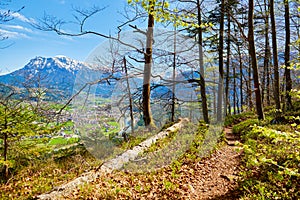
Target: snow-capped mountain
54,75
57,62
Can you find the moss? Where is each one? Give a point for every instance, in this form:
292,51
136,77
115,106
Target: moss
245,126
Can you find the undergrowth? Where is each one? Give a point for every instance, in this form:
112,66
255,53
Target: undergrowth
235,119
163,183
271,159
42,175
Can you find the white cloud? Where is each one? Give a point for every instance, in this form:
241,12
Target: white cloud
13,34
17,27
23,18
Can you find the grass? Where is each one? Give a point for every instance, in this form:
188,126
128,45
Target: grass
40,176
164,183
63,141
271,163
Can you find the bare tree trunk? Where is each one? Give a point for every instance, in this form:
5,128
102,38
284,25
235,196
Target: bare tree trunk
275,56
202,78
288,86
252,52
214,95
249,91
147,115
266,76
130,97
234,90
227,99
173,78
241,78
221,63
268,84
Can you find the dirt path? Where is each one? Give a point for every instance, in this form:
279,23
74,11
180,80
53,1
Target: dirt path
216,177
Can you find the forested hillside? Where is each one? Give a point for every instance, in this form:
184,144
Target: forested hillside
188,99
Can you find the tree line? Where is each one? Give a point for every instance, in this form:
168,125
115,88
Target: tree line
254,45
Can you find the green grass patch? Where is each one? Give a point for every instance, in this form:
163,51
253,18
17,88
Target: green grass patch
63,141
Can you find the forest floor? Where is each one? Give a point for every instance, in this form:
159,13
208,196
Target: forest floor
216,176
213,177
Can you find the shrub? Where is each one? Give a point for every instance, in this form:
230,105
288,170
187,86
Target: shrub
272,160
245,126
234,119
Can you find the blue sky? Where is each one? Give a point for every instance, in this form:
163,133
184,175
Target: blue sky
26,42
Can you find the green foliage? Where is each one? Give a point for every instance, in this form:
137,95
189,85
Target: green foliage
165,12
234,119
295,93
245,126
63,141
272,160
19,124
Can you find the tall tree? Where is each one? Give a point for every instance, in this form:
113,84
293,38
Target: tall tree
241,76
252,52
249,85
275,57
227,99
201,63
221,63
267,54
234,88
288,86
147,115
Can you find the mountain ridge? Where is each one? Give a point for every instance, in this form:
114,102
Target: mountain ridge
54,74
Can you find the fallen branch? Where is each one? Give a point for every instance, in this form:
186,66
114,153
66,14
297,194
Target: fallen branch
111,165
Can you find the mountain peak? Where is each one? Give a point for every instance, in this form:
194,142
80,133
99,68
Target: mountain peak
59,61
57,74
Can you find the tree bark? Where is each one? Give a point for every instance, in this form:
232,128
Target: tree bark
227,99
234,90
275,57
266,75
173,79
129,97
221,63
288,86
147,115
241,78
249,91
202,78
252,52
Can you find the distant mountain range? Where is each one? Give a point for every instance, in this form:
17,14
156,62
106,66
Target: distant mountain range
55,76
